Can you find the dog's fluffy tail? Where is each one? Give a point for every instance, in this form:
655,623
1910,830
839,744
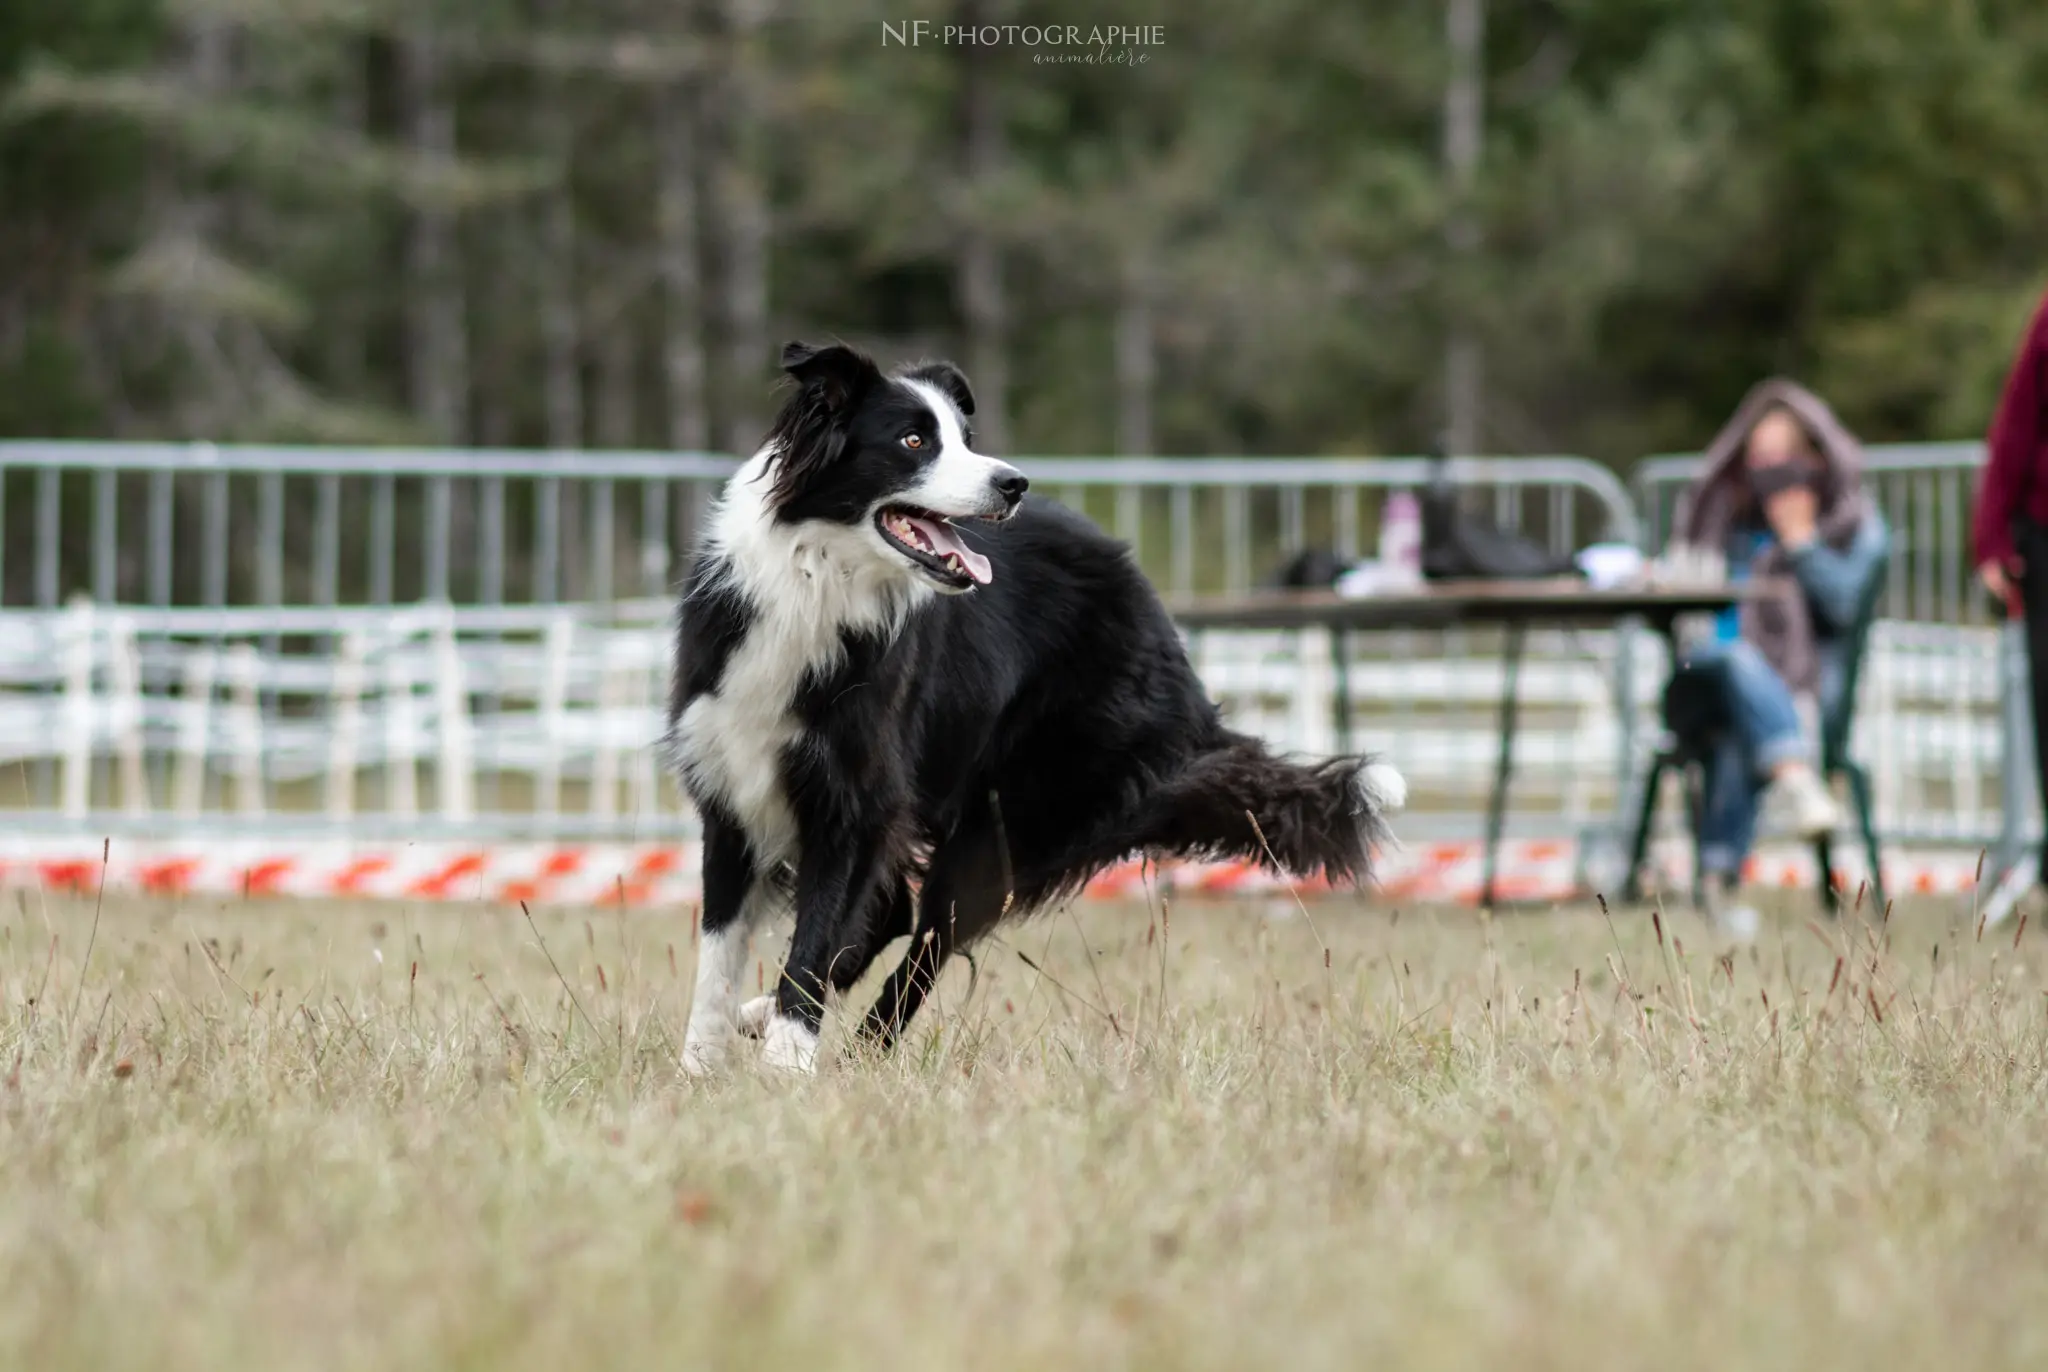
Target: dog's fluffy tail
1320,819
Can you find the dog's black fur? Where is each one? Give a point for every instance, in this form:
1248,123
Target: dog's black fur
1000,748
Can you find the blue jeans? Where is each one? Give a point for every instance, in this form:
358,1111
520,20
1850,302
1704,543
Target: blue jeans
1764,734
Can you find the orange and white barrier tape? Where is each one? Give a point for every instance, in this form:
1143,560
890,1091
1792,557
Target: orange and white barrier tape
649,874
1428,873
1931,872
579,874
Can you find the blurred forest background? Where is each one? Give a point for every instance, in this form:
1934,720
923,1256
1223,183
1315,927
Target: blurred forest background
1297,227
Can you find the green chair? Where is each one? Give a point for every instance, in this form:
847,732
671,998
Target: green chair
1834,760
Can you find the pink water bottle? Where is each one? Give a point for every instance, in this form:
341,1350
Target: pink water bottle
1401,536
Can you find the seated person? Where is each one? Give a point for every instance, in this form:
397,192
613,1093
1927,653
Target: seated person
1780,495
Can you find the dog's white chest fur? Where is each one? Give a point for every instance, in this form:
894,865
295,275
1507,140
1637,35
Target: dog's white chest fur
731,743
806,586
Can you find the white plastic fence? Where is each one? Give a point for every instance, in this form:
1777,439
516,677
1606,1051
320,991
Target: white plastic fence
540,718
498,722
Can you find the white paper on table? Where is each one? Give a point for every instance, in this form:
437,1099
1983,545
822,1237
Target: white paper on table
1608,565
1369,579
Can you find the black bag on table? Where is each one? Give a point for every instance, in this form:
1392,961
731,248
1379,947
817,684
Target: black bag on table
1311,569
1458,545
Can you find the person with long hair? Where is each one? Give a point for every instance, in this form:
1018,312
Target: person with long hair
1780,496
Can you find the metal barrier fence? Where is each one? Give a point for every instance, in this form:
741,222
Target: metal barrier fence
206,525
307,541
1926,491
196,524
486,724
408,722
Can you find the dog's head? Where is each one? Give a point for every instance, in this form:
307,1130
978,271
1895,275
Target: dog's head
890,456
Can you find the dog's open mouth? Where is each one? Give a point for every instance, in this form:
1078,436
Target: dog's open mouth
931,541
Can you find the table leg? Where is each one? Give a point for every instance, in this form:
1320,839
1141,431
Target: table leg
1340,646
1497,806
1640,798
1625,705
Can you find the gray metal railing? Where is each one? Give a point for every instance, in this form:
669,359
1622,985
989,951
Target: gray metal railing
1251,513
200,524
1925,490
324,526
281,533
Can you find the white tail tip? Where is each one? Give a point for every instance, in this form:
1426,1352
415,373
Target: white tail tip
1385,789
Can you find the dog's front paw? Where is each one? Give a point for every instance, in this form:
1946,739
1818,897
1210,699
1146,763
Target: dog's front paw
791,1047
707,1044
754,1016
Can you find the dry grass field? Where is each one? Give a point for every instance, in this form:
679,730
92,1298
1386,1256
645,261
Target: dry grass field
285,1136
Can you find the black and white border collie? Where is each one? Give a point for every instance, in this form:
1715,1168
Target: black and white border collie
908,703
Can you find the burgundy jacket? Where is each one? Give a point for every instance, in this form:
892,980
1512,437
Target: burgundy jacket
2015,478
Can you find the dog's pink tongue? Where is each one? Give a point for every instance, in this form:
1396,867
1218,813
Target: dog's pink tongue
944,539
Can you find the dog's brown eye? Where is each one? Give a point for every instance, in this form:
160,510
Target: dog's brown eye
912,441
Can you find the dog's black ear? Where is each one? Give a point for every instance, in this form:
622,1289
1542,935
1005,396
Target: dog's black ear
947,378
810,434
835,371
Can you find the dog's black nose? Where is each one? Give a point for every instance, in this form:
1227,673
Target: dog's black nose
1012,485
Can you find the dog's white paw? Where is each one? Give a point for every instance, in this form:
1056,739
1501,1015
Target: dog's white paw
791,1047
707,1043
1386,790
703,1058
754,1016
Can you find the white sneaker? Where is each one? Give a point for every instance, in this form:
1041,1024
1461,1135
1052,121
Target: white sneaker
1736,923
1812,807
